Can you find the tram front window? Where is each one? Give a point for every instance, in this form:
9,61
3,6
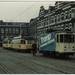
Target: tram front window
61,38
22,41
69,38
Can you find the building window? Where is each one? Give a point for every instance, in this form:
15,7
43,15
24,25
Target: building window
25,31
17,30
58,6
2,30
13,30
70,25
40,23
58,27
10,29
66,15
2,37
43,23
66,26
6,36
58,17
51,27
37,24
49,20
6,29
46,21
55,27
69,15
62,16
73,13
55,18
62,26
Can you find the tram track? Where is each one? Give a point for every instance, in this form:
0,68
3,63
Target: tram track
4,70
39,63
45,66
20,66
23,67
29,69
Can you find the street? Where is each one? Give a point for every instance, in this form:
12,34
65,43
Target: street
12,62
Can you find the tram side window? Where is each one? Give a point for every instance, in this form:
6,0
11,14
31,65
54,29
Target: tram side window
22,41
29,41
57,38
16,41
9,42
5,42
61,38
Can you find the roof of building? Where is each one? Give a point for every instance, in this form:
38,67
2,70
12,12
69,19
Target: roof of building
14,23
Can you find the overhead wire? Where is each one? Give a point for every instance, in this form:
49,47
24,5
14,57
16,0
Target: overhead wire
24,11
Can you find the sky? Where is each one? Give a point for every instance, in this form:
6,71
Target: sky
21,11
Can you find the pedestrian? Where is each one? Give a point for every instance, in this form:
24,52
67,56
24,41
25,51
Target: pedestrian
34,49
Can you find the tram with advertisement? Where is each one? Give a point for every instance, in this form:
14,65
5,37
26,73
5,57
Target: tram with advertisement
58,43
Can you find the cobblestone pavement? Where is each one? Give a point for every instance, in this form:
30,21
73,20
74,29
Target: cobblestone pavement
12,62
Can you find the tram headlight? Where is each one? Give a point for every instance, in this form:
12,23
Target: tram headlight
73,48
64,48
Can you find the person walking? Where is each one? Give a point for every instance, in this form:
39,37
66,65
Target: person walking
34,49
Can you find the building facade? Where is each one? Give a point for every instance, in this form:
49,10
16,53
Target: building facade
44,20
58,17
12,29
33,28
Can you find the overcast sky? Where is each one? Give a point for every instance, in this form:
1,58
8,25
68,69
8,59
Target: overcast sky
21,11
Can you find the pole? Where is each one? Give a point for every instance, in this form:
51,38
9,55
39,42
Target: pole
20,29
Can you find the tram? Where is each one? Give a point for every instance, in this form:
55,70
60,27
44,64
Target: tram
23,44
6,43
58,43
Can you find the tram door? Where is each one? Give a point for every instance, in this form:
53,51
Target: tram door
59,43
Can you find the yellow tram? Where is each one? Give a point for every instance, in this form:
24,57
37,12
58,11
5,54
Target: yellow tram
23,44
7,43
